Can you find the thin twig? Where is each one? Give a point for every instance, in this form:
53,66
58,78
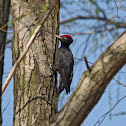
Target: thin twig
116,7
119,82
103,116
82,60
83,17
87,64
90,32
5,107
97,5
28,46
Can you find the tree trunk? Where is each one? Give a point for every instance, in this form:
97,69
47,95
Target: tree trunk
35,100
4,15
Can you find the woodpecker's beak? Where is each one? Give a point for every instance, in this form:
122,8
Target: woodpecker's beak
58,37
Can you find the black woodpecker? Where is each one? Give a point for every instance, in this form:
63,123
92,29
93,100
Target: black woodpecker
64,63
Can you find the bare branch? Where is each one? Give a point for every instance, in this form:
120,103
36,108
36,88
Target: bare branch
89,33
6,107
82,60
119,82
96,4
83,17
116,7
87,64
103,116
117,24
28,46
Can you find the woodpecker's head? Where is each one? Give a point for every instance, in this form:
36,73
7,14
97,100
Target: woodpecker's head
65,39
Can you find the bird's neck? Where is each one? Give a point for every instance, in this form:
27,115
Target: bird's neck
65,45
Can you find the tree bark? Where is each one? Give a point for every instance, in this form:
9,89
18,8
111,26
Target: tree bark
92,85
35,101
4,15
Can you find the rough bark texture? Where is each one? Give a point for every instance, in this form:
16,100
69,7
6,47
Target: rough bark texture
35,99
4,15
92,85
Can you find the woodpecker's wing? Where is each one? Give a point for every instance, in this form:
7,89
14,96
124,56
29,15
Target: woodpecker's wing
65,80
66,67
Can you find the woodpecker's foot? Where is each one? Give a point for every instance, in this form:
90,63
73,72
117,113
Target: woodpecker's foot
60,89
54,67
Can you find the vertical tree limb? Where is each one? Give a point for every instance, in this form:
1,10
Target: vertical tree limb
4,15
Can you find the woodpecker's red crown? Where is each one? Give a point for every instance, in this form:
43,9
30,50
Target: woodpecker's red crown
68,36
66,40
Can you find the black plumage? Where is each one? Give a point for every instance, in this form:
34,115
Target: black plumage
64,63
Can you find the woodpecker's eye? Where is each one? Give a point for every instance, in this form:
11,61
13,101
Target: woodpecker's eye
64,37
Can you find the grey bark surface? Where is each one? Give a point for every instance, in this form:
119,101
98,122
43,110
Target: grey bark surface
4,15
92,85
35,101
